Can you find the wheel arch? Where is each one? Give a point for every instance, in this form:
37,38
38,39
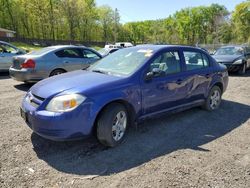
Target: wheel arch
57,69
129,107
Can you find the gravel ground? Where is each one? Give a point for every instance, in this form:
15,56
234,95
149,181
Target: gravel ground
194,148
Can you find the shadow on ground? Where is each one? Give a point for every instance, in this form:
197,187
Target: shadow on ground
23,86
235,74
4,75
186,130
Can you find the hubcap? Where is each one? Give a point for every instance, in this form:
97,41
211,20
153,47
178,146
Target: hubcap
119,125
215,99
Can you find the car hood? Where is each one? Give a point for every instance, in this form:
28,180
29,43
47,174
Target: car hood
80,81
226,58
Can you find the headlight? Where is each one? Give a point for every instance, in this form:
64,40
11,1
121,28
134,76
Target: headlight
238,62
65,103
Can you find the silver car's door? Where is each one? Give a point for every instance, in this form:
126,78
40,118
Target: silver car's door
89,57
70,58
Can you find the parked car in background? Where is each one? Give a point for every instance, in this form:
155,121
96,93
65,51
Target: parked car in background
51,61
106,51
7,52
236,58
128,86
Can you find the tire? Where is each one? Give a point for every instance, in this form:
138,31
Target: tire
213,100
112,125
57,72
242,70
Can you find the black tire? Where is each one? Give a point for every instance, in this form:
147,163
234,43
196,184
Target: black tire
57,72
210,104
106,122
242,70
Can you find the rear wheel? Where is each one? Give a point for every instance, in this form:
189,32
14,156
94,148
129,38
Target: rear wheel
112,125
214,99
57,72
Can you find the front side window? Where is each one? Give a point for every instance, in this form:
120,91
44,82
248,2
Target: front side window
69,53
195,60
90,54
167,62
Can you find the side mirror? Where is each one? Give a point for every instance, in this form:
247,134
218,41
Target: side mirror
154,73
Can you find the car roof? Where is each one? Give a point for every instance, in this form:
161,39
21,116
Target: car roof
65,46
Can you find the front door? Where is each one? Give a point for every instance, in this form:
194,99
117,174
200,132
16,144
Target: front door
167,88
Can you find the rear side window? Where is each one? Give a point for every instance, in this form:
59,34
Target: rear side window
195,60
69,53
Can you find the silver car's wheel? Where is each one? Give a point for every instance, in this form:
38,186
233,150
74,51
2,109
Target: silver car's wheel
57,72
215,99
119,125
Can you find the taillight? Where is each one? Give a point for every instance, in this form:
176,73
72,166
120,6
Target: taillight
29,64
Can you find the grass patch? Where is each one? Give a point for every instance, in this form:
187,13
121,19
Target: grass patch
25,46
31,47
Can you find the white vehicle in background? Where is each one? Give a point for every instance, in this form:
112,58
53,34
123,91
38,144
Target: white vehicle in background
119,45
124,44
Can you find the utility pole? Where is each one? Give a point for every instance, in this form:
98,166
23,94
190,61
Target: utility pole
116,17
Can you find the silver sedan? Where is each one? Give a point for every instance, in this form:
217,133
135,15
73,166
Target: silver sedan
51,61
7,52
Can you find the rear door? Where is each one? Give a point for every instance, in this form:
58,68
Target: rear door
89,57
199,73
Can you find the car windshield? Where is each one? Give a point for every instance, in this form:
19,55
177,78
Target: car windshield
41,51
124,62
230,51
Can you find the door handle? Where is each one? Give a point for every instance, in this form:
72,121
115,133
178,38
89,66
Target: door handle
65,62
179,81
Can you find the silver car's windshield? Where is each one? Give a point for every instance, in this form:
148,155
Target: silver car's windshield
41,51
103,51
230,51
124,62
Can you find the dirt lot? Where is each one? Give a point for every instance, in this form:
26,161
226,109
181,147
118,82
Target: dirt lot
194,148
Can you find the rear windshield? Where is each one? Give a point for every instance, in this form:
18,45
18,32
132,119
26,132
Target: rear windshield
41,51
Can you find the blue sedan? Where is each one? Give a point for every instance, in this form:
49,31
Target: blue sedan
124,88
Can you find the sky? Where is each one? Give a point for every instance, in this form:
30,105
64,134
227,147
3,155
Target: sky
139,10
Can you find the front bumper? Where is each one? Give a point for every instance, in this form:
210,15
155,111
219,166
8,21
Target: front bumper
57,126
24,75
233,67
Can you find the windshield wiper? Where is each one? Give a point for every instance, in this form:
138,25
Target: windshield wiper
100,71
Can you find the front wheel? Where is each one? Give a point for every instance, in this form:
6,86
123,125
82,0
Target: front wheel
214,99
112,125
242,70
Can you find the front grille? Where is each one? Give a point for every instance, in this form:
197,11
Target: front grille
39,98
34,100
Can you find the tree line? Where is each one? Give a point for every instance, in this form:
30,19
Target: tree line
83,20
